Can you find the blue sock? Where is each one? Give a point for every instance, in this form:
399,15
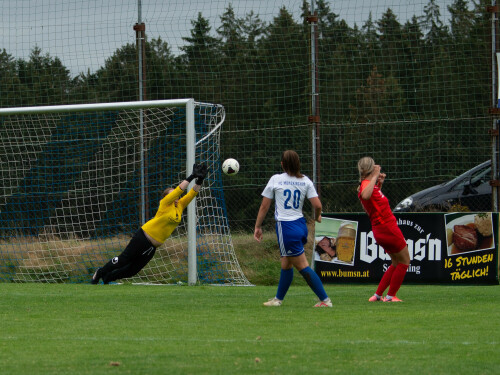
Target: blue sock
286,278
314,282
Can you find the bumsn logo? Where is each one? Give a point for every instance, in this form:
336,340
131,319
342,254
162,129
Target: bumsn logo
424,248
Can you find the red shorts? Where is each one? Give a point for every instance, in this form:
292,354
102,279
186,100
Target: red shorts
389,236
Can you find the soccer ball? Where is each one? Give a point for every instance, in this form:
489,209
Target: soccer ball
230,167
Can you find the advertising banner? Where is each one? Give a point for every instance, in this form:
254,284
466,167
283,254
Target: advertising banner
444,248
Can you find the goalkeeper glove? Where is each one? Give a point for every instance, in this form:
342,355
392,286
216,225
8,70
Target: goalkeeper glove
201,174
194,174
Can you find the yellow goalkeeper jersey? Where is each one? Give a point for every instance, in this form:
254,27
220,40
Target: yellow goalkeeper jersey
168,216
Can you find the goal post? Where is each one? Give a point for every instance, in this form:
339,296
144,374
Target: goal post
78,180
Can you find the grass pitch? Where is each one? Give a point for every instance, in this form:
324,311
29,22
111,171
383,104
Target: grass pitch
129,329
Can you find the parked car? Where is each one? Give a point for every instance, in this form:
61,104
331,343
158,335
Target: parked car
471,189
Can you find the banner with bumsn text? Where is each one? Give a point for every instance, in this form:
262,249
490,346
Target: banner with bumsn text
454,248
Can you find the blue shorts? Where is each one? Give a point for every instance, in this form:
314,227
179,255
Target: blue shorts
292,236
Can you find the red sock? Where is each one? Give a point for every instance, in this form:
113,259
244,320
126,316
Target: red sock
386,280
397,279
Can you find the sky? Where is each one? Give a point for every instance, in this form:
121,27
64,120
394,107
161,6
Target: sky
84,33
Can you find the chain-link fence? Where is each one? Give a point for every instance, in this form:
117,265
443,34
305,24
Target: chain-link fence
408,83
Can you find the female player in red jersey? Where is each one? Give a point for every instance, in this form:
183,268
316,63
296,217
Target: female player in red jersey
384,227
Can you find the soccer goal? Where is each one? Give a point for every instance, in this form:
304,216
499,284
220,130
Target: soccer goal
76,181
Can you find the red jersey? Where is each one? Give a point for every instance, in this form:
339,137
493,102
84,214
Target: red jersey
377,207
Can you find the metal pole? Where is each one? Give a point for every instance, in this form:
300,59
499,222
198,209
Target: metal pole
313,93
314,118
316,107
140,39
191,208
495,99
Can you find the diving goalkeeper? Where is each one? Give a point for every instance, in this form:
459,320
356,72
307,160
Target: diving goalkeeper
142,246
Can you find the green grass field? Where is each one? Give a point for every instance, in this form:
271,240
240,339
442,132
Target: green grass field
129,329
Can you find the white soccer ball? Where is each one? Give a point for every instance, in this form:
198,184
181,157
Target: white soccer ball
230,167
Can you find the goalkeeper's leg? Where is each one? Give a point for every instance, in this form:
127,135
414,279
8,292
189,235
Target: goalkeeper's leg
137,246
132,268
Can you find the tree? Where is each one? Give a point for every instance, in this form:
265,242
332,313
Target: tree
369,32
414,71
381,99
230,32
201,50
199,60
432,25
239,38
117,80
162,71
390,35
461,21
9,81
44,80
285,55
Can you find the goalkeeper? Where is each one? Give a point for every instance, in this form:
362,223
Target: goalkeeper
142,246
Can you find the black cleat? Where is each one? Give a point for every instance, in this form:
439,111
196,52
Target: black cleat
96,277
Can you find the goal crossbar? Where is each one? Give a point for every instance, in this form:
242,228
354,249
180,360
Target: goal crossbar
96,107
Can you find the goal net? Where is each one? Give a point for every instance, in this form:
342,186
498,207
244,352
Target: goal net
77,181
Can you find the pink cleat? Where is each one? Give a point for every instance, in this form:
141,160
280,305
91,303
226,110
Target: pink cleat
393,299
374,298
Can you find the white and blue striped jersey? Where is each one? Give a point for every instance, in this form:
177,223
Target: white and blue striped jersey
289,194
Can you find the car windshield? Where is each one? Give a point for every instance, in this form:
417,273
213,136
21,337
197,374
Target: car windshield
475,178
480,177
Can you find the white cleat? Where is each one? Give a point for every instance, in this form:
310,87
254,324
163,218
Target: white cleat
273,302
326,303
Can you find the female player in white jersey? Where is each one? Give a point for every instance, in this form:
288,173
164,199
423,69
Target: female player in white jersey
289,190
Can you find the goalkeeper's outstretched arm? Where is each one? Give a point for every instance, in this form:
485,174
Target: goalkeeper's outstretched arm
199,173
